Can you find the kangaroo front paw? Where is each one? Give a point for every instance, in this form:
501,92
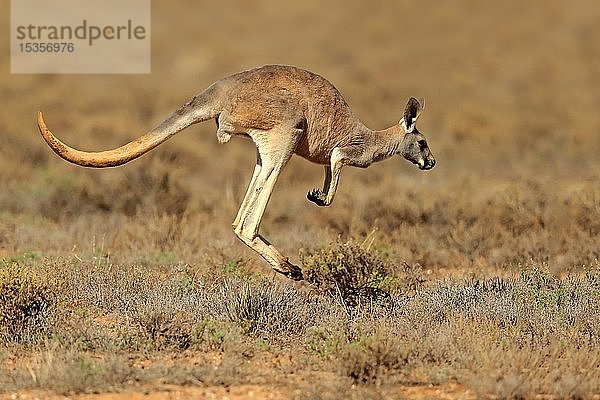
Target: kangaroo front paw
317,197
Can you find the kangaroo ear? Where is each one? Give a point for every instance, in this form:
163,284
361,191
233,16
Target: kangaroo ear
412,111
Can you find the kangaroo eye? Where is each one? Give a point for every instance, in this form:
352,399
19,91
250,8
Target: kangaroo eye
422,143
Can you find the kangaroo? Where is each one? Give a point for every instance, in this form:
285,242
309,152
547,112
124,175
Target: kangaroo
284,110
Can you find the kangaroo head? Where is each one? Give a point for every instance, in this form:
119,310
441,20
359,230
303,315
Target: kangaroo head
414,146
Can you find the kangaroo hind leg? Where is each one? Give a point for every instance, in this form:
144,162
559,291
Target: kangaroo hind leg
274,156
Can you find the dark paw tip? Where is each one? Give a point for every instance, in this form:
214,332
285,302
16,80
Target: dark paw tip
313,194
296,275
316,196
293,272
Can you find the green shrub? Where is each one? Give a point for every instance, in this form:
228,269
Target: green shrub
348,270
25,300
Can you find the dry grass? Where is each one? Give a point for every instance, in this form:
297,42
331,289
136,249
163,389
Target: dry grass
482,272
511,338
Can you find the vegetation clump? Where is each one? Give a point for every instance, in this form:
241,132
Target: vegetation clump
349,270
25,300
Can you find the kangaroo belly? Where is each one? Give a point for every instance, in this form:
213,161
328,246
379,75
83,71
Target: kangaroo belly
315,149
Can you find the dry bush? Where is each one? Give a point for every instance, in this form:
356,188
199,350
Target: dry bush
265,308
25,302
373,358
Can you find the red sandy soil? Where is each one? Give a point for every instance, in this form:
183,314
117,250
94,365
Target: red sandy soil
450,391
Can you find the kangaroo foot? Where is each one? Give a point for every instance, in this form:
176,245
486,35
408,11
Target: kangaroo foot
291,271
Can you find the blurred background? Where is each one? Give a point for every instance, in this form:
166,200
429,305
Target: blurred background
512,100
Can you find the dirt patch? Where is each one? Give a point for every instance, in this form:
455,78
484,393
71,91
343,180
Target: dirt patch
449,392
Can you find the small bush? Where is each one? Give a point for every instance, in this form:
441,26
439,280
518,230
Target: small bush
265,308
349,270
24,303
373,358
323,341
162,330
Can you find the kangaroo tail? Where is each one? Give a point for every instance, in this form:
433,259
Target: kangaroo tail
200,108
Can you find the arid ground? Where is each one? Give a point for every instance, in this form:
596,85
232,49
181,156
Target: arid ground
478,279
